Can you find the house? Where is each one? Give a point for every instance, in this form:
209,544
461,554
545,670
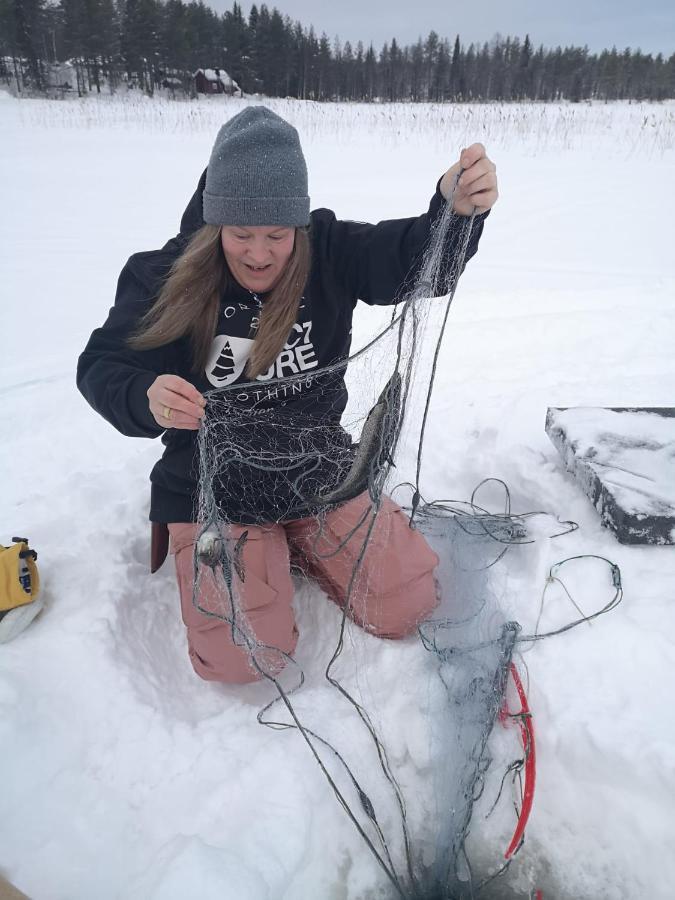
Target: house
58,79
173,85
215,81
61,76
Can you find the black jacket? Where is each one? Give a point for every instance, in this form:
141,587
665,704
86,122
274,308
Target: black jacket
350,261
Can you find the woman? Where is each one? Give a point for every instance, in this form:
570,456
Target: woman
255,289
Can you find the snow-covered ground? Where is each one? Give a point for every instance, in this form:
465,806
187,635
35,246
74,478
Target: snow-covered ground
123,775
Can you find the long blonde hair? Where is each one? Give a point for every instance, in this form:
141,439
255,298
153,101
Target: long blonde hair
189,302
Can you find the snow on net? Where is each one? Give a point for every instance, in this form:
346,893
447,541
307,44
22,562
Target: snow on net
298,448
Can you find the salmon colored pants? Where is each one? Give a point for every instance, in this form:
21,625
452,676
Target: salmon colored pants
393,590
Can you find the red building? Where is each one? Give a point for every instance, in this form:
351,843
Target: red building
215,81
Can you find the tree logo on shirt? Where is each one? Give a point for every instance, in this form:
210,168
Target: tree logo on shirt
227,359
224,366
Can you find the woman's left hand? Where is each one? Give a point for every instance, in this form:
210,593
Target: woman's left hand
477,186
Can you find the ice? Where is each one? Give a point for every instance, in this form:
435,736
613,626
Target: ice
124,776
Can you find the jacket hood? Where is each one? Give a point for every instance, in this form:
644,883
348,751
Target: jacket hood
193,217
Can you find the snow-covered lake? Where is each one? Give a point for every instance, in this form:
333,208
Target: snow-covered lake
123,775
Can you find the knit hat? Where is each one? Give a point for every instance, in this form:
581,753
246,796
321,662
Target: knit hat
257,174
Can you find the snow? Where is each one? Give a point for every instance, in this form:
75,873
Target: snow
630,452
215,75
124,776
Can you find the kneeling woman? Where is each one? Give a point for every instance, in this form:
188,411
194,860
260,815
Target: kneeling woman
254,288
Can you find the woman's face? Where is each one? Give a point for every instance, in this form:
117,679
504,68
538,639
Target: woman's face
257,254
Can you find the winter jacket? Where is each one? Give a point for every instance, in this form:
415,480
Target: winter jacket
350,261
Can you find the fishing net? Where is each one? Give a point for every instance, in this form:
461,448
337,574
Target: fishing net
301,447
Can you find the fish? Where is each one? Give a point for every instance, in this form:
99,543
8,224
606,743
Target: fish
373,449
209,546
211,552
237,560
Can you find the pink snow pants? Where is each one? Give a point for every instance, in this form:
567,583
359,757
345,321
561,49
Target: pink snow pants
393,591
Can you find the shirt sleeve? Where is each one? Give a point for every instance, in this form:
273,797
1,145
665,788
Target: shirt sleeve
377,263
112,377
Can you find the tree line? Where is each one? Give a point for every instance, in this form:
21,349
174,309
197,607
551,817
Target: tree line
147,43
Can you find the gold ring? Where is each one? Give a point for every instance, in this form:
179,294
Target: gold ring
167,412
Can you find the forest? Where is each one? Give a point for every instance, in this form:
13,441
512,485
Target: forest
149,45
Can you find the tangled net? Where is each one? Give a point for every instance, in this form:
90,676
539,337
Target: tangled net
299,447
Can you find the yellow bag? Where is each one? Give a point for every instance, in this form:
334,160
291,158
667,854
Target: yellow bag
19,579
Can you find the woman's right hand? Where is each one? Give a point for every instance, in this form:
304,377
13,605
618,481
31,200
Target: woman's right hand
175,403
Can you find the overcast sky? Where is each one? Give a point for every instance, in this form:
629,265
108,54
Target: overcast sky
649,24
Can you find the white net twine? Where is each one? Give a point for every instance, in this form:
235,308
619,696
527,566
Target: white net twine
299,447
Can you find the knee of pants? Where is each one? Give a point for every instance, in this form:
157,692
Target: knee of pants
397,614
235,672
260,642
228,663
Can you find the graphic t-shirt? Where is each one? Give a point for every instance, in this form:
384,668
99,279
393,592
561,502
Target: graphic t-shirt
233,343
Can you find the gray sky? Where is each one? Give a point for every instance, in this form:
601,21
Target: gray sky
649,25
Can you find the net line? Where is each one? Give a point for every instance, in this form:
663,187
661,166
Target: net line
301,456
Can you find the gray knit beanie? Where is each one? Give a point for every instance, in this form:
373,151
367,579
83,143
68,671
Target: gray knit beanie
257,174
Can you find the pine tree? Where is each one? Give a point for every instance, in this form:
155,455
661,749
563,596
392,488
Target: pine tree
431,61
324,69
370,74
417,72
523,77
457,88
442,72
347,72
27,32
236,48
140,42
397,72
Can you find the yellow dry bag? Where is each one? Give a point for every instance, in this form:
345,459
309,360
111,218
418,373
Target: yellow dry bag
19,579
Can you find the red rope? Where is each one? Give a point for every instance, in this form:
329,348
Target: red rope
527,735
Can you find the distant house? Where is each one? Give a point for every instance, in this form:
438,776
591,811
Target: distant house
61,78
215,81
173,85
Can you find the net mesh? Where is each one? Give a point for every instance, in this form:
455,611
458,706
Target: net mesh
299,448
